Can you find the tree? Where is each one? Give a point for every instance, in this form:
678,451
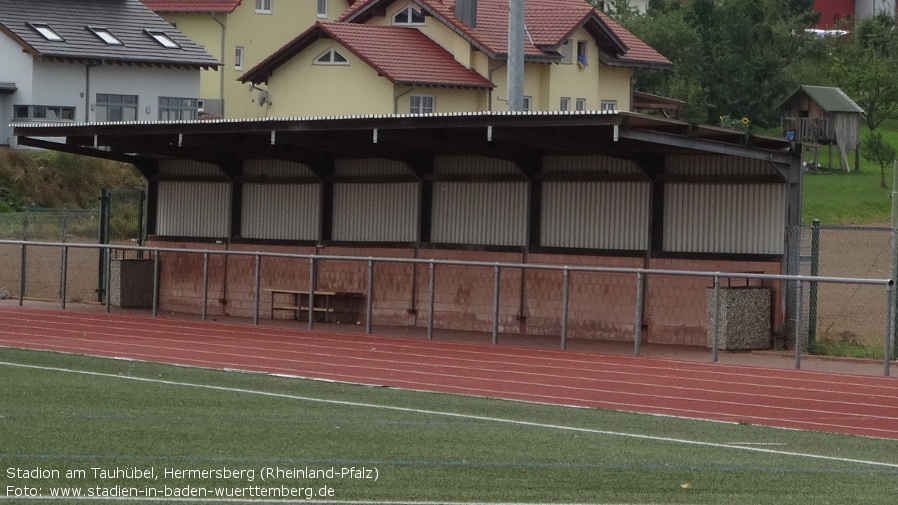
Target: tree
874,148
735,51
864,68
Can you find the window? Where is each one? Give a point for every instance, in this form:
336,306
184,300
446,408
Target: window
582,60
116,107
177,109
163,39
609,105
322,8
566,52
263,6
48,33
409,16
565,103
528,103
331,57
106,36
238,58
47,112
581,104
421,104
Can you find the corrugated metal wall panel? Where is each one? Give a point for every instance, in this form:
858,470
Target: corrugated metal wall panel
281,211
589,164
188,168
596,215
369,167
480,213
724,218
276,168
696,164
376,212
194,209
469,165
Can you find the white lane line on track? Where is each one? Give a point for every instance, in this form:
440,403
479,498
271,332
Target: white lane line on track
489,366
366,365
457,415
542,355
544,399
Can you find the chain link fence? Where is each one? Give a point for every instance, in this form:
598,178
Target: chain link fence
845,313
44,264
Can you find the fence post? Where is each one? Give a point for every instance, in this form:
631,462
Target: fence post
369,297
108,289
432,290
256,282
62,274
890,327
496,274
798,303
311,308
565,296
640,300
155,283
812,286
205,284
715,333
22,278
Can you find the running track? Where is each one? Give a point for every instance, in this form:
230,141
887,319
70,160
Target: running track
786,398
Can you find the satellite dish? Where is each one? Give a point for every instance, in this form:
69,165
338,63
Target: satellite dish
263,98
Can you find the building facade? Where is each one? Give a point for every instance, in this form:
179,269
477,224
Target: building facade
94,60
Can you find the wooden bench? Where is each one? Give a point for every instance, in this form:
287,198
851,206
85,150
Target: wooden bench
326,303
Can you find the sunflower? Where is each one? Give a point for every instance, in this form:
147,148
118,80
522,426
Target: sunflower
745,120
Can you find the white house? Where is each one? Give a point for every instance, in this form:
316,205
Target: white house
94,60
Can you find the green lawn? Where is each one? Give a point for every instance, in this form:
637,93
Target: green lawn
420,446
836,197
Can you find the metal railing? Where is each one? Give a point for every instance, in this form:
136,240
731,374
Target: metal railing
640,276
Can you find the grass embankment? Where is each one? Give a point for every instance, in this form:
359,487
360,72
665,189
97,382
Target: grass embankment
55,180
212,430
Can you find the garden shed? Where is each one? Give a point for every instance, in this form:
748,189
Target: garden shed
822,115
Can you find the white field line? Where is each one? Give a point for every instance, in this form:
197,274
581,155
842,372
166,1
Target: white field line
513,422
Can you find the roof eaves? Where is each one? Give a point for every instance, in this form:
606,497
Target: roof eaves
630,63
18,40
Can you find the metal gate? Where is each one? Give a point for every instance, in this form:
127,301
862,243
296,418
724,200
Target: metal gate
122,222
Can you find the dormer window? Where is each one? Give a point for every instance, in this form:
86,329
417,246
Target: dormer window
409,16
106,36
163,39
331,57
48,33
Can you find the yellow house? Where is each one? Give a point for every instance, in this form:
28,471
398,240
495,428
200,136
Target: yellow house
422,56
241,33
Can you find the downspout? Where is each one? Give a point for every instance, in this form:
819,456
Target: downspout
221,73
400,95
489,76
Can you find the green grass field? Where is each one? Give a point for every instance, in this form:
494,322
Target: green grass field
850,198
63,414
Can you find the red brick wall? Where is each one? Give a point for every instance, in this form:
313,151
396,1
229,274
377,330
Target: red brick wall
600,306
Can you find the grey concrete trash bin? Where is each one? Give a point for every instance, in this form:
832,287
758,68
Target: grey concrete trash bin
744,318
131,283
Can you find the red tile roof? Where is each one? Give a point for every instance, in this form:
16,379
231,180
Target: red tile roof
549,23
192,5
402,55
